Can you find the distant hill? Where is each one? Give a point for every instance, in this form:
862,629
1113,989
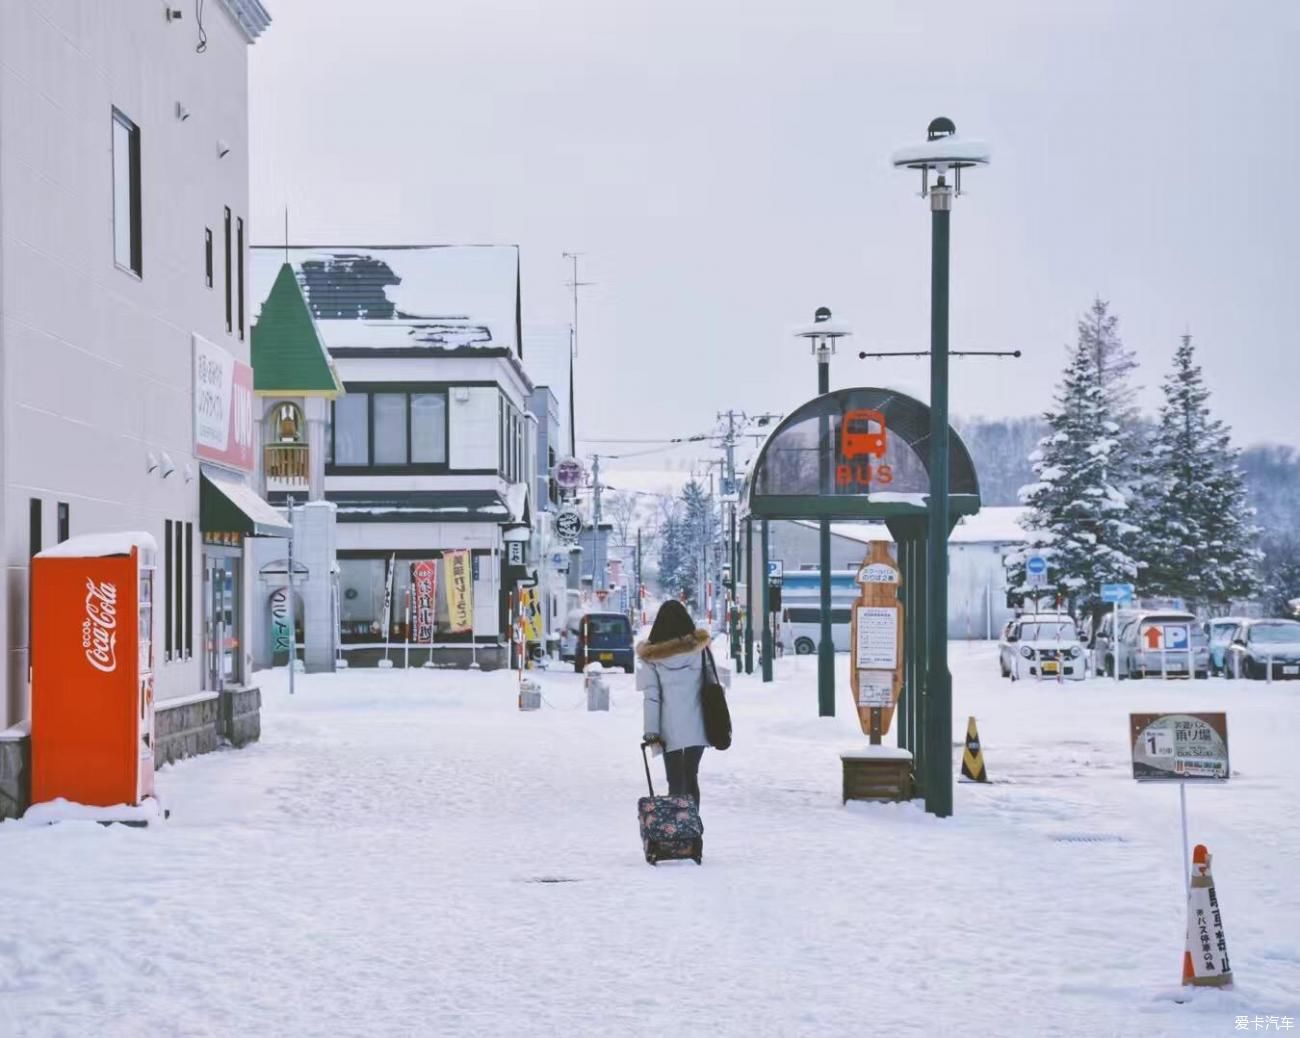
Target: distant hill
1001,447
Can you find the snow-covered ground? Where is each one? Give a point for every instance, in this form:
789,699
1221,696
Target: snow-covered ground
379,864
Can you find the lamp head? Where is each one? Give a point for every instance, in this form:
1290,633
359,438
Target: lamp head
942,151
823,332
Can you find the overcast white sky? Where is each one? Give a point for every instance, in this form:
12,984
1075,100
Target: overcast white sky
723,164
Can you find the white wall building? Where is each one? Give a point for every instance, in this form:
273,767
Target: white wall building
123,220
431,448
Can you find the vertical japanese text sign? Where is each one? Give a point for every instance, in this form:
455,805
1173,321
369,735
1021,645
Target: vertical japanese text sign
424,579
460,591
877,642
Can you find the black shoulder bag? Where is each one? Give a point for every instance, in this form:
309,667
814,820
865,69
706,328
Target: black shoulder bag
713,698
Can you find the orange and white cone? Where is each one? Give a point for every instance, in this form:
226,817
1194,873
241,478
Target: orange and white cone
1205,954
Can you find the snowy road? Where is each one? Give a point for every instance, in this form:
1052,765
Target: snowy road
377,865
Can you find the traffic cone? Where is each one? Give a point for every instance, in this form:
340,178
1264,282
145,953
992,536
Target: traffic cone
972,757
1205,952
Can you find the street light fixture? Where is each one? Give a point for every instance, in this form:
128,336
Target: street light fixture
822,336
942,153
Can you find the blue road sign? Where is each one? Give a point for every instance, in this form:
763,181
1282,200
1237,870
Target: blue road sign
1036,571
1116,592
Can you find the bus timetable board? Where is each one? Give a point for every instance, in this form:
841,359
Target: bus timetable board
1179,747
877,642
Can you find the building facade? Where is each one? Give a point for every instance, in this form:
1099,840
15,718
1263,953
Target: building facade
123,323
430,454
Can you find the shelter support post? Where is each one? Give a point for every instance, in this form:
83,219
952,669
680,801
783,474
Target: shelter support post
766,618
749,595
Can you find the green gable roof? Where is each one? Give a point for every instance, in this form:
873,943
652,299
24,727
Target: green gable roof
288,355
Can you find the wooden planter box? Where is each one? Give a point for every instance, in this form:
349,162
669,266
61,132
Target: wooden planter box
877,773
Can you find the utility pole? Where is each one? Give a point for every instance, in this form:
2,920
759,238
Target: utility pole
730,492
640,603
293,618
598,539
574,284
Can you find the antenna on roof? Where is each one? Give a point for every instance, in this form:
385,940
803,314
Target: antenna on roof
575,284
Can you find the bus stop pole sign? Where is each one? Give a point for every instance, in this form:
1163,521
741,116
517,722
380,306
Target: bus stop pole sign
1036,571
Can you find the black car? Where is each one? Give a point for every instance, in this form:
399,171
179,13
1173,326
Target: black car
604,638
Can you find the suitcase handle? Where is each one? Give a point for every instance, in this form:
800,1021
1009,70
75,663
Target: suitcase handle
646,761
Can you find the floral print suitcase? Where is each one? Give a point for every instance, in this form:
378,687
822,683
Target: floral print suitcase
670,826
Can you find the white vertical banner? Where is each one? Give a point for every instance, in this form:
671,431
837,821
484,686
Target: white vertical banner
388,596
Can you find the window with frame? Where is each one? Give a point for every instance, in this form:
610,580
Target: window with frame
207,257
383,428
127,224
169,567
230,304
239,267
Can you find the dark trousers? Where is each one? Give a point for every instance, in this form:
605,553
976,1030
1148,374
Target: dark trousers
683,768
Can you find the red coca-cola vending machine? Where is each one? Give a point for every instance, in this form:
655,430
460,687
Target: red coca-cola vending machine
92,670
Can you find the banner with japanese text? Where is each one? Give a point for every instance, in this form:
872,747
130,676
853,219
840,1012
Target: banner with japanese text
424,583
459,583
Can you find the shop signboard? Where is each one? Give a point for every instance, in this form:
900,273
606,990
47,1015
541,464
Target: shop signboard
568,525
280,625
569,474
223,407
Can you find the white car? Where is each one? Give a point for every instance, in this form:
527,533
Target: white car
1045,645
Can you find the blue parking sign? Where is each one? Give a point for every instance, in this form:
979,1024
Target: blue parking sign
1176,637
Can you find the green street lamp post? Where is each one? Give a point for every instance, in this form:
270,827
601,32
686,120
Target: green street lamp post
943,153
822,335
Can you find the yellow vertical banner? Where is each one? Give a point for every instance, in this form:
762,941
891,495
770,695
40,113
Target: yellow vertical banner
531,613
459,586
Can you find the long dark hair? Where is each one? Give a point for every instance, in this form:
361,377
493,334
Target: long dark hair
671,622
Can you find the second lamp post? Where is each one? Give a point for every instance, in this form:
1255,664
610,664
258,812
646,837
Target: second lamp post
822,335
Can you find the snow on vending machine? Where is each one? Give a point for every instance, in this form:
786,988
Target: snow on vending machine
92,670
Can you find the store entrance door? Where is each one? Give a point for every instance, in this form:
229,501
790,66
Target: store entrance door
221,620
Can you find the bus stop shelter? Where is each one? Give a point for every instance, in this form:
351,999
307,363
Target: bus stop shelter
861,455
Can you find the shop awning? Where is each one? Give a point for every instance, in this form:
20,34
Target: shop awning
227,506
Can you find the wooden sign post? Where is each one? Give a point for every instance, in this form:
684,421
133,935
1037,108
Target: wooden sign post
877,642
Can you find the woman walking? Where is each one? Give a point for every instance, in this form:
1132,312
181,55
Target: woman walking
671,676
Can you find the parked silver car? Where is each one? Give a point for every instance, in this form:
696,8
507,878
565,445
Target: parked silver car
1258,645
1141,643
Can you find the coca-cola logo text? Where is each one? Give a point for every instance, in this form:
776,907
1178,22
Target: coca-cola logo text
99,629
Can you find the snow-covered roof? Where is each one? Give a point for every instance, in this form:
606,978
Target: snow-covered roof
450,297
99,545
998,525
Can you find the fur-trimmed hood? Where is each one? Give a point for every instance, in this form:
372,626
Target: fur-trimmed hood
683,646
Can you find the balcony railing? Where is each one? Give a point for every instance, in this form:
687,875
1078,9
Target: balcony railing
286,463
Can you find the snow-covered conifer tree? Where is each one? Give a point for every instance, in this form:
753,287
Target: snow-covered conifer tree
1077,516
1198,536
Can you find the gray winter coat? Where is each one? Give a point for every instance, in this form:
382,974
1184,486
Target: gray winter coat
671,674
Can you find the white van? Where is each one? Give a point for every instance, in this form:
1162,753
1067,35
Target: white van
801,629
